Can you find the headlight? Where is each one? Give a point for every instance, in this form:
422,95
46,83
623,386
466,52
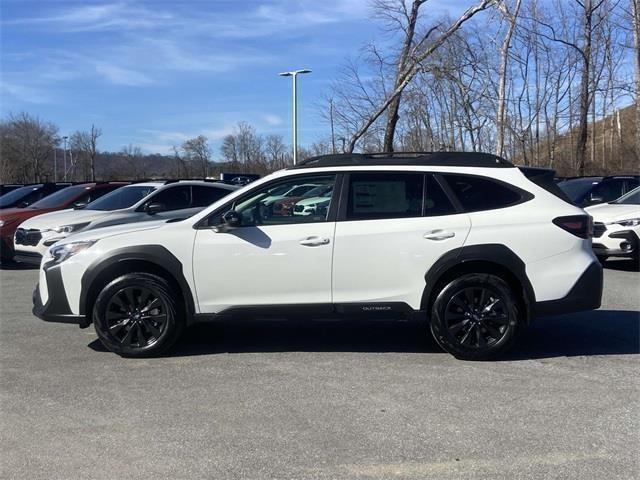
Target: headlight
60,253
69,228
1,223
631,222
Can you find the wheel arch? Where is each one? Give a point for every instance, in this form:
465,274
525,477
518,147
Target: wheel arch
495,259
154,259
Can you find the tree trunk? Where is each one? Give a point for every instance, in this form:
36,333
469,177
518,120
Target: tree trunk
502,87
585,94
394,106
636,44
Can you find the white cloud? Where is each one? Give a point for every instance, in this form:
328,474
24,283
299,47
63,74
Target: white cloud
271,119
24,92
122,76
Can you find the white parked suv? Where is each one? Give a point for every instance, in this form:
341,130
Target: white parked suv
139,202
464,241
617,227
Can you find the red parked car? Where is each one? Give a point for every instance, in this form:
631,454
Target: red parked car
75,196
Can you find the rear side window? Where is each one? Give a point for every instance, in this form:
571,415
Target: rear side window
385,195
205,196
173,198
477,193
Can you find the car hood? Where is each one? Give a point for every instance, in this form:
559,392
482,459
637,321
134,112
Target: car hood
9,214
64,217
611,212
100,233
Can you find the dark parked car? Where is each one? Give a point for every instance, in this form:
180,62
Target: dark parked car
585,191
28,194
9,187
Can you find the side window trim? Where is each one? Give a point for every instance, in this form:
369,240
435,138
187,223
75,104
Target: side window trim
448,192
331,214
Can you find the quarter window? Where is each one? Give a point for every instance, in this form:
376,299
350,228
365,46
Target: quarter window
478,193
384,195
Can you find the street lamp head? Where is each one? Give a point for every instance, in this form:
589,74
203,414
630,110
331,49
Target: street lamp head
294,72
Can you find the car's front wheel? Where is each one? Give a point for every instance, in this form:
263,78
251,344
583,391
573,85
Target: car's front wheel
136,315
475,317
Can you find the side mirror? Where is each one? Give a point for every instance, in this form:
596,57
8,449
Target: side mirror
79,205
153,208
230,220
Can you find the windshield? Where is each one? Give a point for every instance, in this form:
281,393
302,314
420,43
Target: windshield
576,189
17,194
60,198
631,198
321,191
123,197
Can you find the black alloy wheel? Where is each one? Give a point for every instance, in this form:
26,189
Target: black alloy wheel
475,316
137,315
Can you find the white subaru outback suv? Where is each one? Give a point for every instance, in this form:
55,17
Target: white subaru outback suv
139,202
463,240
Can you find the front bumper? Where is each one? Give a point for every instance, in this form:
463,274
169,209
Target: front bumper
56,309
6,248
621,243
586,294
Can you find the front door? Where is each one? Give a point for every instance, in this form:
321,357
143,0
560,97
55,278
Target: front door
279,255
394,228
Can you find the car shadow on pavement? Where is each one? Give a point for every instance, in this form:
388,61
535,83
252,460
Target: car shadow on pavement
11,265
601,332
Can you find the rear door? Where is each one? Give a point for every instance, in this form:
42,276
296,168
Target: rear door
392,227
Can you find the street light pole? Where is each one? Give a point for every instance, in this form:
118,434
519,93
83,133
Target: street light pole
295,74
65,157
55,162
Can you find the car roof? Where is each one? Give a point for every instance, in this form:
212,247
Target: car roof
449,159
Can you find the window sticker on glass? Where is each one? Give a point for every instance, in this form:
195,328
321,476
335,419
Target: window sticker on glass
379,197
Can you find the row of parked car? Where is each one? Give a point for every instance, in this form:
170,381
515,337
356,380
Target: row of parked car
34,217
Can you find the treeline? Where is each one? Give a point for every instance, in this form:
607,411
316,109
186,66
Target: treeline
32,150
540,82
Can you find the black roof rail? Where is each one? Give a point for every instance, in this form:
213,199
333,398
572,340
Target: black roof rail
451,159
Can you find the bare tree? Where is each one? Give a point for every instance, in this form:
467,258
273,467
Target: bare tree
419,52
197,151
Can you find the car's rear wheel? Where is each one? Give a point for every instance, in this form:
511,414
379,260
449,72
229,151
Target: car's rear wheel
136,315
475,317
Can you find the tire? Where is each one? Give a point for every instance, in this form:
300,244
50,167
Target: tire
475,317
136,315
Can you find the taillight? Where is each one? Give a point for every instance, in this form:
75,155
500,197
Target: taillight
578,225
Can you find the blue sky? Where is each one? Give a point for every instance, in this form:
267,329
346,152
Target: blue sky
153,74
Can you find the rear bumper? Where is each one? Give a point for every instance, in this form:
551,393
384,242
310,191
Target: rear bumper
57,307
586,294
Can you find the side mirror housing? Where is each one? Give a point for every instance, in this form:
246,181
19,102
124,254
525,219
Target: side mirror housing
153,208
230,221
79,205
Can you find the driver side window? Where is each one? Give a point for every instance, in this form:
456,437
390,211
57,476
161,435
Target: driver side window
302,199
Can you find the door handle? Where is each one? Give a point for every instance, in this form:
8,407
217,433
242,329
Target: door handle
438,235
314,241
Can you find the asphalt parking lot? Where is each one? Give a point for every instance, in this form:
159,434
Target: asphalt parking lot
259,400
